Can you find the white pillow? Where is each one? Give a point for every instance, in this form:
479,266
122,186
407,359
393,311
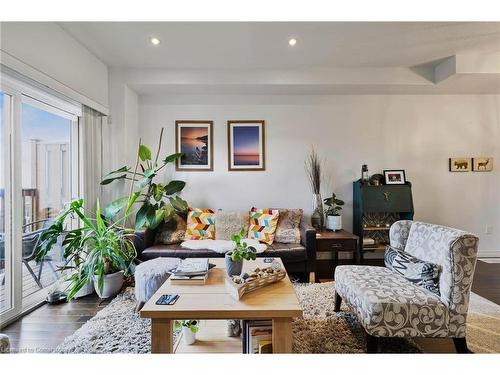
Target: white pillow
222,246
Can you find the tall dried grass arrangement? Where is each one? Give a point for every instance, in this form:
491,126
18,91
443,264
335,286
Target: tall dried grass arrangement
313,169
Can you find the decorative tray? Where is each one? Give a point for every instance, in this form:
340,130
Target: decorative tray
238,286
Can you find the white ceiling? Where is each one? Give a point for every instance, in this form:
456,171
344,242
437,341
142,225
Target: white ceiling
265,45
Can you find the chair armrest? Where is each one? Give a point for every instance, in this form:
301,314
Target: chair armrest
308,240
143,239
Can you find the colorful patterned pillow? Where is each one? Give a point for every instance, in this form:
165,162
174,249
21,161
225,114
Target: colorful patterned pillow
417,271
263,223
200,224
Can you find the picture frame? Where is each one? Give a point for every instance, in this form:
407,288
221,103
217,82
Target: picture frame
482,164
246,145
194,138
394,176
461,164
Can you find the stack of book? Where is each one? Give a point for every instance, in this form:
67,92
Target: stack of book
190,272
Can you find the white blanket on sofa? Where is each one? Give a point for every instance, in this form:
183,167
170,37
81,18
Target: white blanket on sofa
222,246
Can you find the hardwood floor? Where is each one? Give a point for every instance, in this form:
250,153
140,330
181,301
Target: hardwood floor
43,329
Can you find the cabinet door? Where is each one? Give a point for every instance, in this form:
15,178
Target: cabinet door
387,198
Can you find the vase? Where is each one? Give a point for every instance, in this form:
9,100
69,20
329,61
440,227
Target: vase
233,268
112,284
189,336
318,215
334,222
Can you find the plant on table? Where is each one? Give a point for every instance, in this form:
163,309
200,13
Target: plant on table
189,329
159,201
333,221
98,250
241,251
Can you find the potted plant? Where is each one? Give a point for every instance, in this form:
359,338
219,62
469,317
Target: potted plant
98,251
333,218
234,258
313,167
189,329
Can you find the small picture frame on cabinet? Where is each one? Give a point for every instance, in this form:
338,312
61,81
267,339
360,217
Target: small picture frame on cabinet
394,176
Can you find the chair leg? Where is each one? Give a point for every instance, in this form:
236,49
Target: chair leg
338,302
460,345
371,344
30,270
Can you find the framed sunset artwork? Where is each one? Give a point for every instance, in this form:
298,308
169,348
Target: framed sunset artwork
246,145
195,140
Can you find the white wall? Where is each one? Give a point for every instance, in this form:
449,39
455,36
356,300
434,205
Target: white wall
47,48
415,133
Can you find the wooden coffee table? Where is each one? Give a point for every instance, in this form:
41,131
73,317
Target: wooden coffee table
276,302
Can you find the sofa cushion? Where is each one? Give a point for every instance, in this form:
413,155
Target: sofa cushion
200,224
423,274
263,223
289,253
389,305
288,225
228,223
171,232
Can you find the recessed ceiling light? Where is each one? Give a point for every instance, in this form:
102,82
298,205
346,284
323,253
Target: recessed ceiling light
292,41
155,41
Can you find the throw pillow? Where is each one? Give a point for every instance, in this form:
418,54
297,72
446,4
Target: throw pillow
172,232
263,223
200,224
229,223
417,271
288,230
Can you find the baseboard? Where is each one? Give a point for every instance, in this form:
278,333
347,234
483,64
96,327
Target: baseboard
488,254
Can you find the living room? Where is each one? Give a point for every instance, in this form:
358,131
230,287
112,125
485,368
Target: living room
302,186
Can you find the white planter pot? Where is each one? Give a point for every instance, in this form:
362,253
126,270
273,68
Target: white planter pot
111,286
86,290
189,336
334,222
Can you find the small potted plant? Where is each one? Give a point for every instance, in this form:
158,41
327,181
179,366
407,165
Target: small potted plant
234,258
189,329
333,218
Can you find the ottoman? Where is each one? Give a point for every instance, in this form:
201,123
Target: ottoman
149,276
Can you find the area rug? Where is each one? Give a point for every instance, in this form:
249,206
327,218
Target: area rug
118,329
483,325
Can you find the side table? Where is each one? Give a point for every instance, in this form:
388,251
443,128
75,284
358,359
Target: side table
328,246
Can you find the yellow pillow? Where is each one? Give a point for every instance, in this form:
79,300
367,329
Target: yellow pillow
263,223
200,224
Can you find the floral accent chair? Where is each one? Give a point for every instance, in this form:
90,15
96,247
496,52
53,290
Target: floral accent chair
389,305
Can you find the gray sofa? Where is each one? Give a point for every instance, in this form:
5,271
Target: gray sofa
389,305
297,258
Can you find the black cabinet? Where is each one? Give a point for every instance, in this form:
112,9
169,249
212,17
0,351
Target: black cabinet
375,208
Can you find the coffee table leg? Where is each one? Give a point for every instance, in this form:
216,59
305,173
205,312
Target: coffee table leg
282,335
161,335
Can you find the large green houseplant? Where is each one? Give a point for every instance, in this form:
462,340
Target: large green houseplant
159,202
98,251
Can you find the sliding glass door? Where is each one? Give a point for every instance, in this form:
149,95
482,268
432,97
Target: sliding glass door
38,177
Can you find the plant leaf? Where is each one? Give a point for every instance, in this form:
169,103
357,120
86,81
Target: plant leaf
141,216
119,170
172,158
143,182
107,181
144,152
173,187
114,207
178,203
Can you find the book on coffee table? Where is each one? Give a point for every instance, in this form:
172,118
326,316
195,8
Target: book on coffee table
192,267
189,280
